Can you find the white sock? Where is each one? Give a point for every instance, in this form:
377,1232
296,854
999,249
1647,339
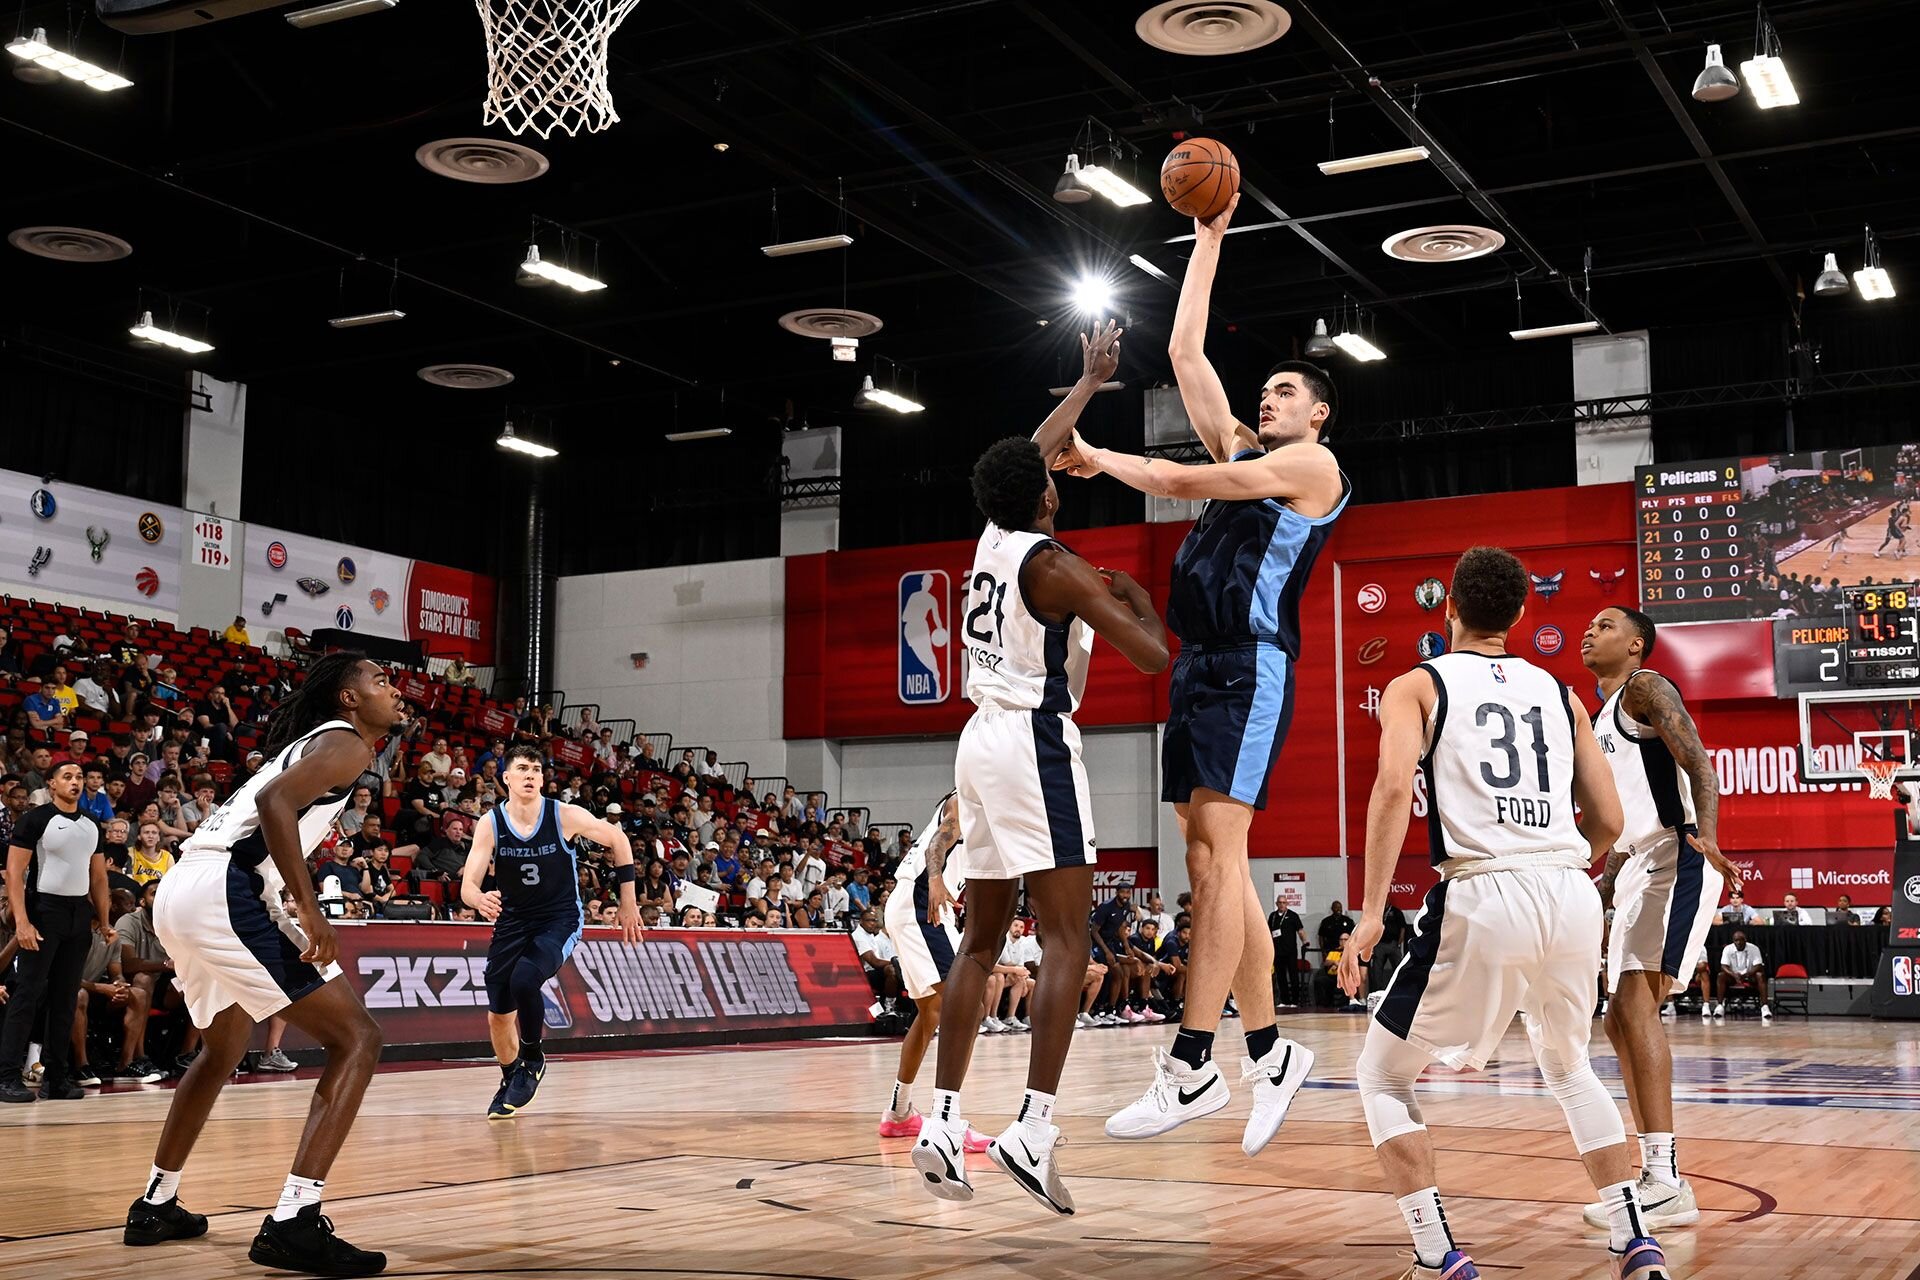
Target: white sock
1660,1157
902,1098
946,1107
1036,1112
1624,1217
162,1185
1428,1223
297,1195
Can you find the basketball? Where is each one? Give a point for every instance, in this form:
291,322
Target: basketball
1199,177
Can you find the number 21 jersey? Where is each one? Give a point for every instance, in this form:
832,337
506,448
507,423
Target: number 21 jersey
1499,766
1016,660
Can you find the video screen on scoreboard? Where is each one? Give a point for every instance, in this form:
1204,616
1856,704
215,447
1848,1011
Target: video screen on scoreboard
1775,536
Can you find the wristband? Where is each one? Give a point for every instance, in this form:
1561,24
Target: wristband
625,873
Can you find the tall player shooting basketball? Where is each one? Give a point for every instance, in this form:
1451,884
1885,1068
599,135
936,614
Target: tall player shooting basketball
1663,881
1273,496
536,912
1514,924
1025,809
240,960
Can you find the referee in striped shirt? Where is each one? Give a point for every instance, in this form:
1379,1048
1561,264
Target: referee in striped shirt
56,877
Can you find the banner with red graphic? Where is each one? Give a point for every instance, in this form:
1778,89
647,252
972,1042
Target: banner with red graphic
1135,870
495,723
570,753
417,690
426,983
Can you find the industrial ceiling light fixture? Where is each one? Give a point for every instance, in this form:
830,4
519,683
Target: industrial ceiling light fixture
679,436
890,397
1107,155
512,442
1521,333
1832,282
34,49
1372,160
1766,70
168,334
361,319
1319,346
787,248
338,11
1351,340
575,248
1715,83
1872,279
1067,190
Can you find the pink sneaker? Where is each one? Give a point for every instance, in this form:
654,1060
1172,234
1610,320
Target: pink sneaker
1132,1014
907,1128
975,1141
1152,1015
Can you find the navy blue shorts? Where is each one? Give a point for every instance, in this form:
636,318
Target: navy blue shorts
547,943
1227,717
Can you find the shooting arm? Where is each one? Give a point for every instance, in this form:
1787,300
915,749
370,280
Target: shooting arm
1297,471
1200,387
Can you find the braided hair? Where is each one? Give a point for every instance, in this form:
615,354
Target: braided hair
315,702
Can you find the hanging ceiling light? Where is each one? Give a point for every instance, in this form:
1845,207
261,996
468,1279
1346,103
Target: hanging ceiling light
1319,346
515,444
147,331
574,280
1554,330
1833,281
788,248
1766,71
1374,160
1093,296
1871,279
1358,347
35,49
887,399
1068,189
844,350
1715,83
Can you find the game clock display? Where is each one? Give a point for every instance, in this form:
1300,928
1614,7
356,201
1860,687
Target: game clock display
1695,564
1883,633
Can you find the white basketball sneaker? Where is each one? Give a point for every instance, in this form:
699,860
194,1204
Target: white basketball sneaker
1660,1205
938,1155
1178,1094
1276,1079
1030,1164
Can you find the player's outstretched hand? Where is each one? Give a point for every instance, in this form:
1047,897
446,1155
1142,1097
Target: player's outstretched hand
1359,950
1100,354
1709,849
489,905
323,944
1216,227
630,923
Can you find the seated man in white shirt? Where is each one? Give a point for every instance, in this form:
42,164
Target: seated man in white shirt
1012,976
878,957
1740,962
1791,912
835,899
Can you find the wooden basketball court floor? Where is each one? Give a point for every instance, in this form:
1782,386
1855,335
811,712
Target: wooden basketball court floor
1802,1140
1863,536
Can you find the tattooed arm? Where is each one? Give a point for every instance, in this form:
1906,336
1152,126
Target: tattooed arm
938,847
1654,701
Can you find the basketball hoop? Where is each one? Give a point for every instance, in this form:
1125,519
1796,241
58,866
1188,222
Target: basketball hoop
547,63
1879,774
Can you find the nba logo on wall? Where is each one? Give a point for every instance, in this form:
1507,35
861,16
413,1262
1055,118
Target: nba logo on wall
926,651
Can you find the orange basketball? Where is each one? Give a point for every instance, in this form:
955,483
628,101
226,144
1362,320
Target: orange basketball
1198,177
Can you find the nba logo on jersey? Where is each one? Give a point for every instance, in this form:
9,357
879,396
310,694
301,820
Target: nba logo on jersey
553,1006
1903,975
1499,673
926,649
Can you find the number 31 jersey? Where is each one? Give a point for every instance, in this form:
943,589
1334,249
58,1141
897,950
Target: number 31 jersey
1499,766
1017,661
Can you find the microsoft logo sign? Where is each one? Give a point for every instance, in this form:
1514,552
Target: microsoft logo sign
1803,877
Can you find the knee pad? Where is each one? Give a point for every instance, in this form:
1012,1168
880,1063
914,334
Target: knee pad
1387,1068
1591,1114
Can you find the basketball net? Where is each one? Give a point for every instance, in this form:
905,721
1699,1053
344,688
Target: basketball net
1879,774
547,63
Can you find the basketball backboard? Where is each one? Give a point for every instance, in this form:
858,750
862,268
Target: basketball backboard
1840,729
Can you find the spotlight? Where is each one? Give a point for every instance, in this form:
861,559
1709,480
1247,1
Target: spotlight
887,399
514,444
1319,346
574,280
1833,281
1374,160
1111,185
1358,347
35,49
1714,83
1093,296
1068,189
147,331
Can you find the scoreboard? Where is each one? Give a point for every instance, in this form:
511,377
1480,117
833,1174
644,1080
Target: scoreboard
1695,561
1873,643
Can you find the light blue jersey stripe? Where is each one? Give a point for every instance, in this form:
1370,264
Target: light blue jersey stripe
1276,567
1263,721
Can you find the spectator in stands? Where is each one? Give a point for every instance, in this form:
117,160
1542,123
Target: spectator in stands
1791,912
421,804
79,746
457,672
710,768
377,878
202,804
167,763
1737,911
145,963
444,856
91,694
810,868
643,755
249,767
1332,925
438,760
1109,927
338,864
236,632
1843,912
44,714
605,753
1883,918
136,683
654,887
13,804
11,664
878,958
40,765
1149,953
173,822
60,686
217,718
791,806
835,901
693,918
93,794
358,807
105,992
1740,964
859,890
128,649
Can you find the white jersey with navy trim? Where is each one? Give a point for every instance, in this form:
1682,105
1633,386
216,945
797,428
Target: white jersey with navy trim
1017,661
234,829
1499,766
1656,795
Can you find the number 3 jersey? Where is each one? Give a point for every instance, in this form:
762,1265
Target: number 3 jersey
536,873
1499,766
1015,660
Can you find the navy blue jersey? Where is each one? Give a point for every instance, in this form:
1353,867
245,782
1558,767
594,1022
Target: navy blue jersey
537,873
1241,572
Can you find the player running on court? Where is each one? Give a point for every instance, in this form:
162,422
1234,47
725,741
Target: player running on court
240,960
919,920
1272,497
1033,608
1514,924
536,913
1896,531
1663,881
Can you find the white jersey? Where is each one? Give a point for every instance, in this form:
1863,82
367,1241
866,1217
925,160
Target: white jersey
913,868
1015,660
234,829
1656,795
1499,767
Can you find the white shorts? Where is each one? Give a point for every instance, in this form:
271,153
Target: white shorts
1024,801
1663,903
1489,946
230,942
926,950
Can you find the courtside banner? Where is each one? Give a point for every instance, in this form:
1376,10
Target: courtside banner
426,983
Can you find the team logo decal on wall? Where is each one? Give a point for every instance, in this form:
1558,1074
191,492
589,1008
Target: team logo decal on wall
1430,593
1371,598
96,540
343,618
1549,586
276,555
1432,644
345,569
43,504
266,606
925,643
1371,703
312,586
146,582
151,529
1372,651
378,599
41,557
1608,582
1548,640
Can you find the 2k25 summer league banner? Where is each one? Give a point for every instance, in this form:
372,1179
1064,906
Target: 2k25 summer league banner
62,541
290,579
426,983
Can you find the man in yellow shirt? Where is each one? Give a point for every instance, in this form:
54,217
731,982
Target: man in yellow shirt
237,633
148,860
61,690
